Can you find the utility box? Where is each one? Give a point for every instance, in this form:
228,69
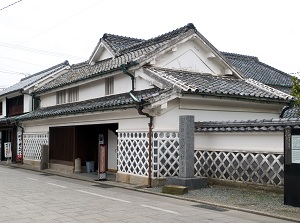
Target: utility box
292,167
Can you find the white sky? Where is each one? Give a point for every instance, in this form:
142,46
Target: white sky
31,29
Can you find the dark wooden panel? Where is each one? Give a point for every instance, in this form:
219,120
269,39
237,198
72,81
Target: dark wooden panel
61,143
15,106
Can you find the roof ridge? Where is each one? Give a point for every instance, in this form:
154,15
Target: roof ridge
106,35
268,88
66,62
241,56
159,38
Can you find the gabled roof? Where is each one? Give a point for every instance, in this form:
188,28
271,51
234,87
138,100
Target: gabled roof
116,43
27,81
252,68
207,84
113,102
128,52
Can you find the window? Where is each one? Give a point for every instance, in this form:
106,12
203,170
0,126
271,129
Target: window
109,85
61,97
68,95
15,105
73,94
1,108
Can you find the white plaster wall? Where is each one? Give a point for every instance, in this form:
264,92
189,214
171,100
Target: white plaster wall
142,83
27,103
189,56
168,119
128,120
112,150
248,142
122,83
48,100
104,55
3,107
91,90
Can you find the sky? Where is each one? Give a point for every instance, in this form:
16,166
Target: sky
38,34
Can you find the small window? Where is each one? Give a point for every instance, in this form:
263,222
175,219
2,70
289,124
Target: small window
109,85
69,95
61,97
1,108
73,94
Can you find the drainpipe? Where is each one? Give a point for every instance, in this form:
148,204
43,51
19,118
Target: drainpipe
125,71
139,107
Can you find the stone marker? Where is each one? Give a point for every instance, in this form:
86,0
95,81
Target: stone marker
44,157
186,156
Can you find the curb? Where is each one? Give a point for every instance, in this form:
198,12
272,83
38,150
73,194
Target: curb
139,189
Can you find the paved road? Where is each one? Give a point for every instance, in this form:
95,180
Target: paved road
27,196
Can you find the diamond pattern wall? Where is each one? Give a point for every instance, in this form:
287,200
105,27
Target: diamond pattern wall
32,145
259,168
133,153
165,154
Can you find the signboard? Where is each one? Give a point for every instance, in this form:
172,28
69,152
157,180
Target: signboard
295,149
7,150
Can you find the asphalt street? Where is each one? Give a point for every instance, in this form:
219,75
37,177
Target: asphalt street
28,196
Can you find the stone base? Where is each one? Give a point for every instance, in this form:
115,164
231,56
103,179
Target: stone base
174,189
138,180
190,183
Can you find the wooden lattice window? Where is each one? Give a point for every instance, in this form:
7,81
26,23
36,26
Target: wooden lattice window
15,106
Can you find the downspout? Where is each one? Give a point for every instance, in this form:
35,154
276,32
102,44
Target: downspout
150,124
125,71
139,107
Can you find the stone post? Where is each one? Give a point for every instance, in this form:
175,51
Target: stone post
186,146
44,157
186,176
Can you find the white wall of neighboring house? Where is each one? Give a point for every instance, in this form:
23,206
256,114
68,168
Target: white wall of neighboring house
261,142
27,103
3,107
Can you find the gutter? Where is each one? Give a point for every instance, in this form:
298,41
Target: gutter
125,71
140,107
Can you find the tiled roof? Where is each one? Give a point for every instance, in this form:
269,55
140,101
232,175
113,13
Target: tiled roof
293,112
113,102
129,54
33,78
118,43
207,84
252,68
247,126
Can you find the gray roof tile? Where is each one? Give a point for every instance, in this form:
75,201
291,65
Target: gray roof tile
252,68
25,82
192,82
129,54
113,102
247,126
